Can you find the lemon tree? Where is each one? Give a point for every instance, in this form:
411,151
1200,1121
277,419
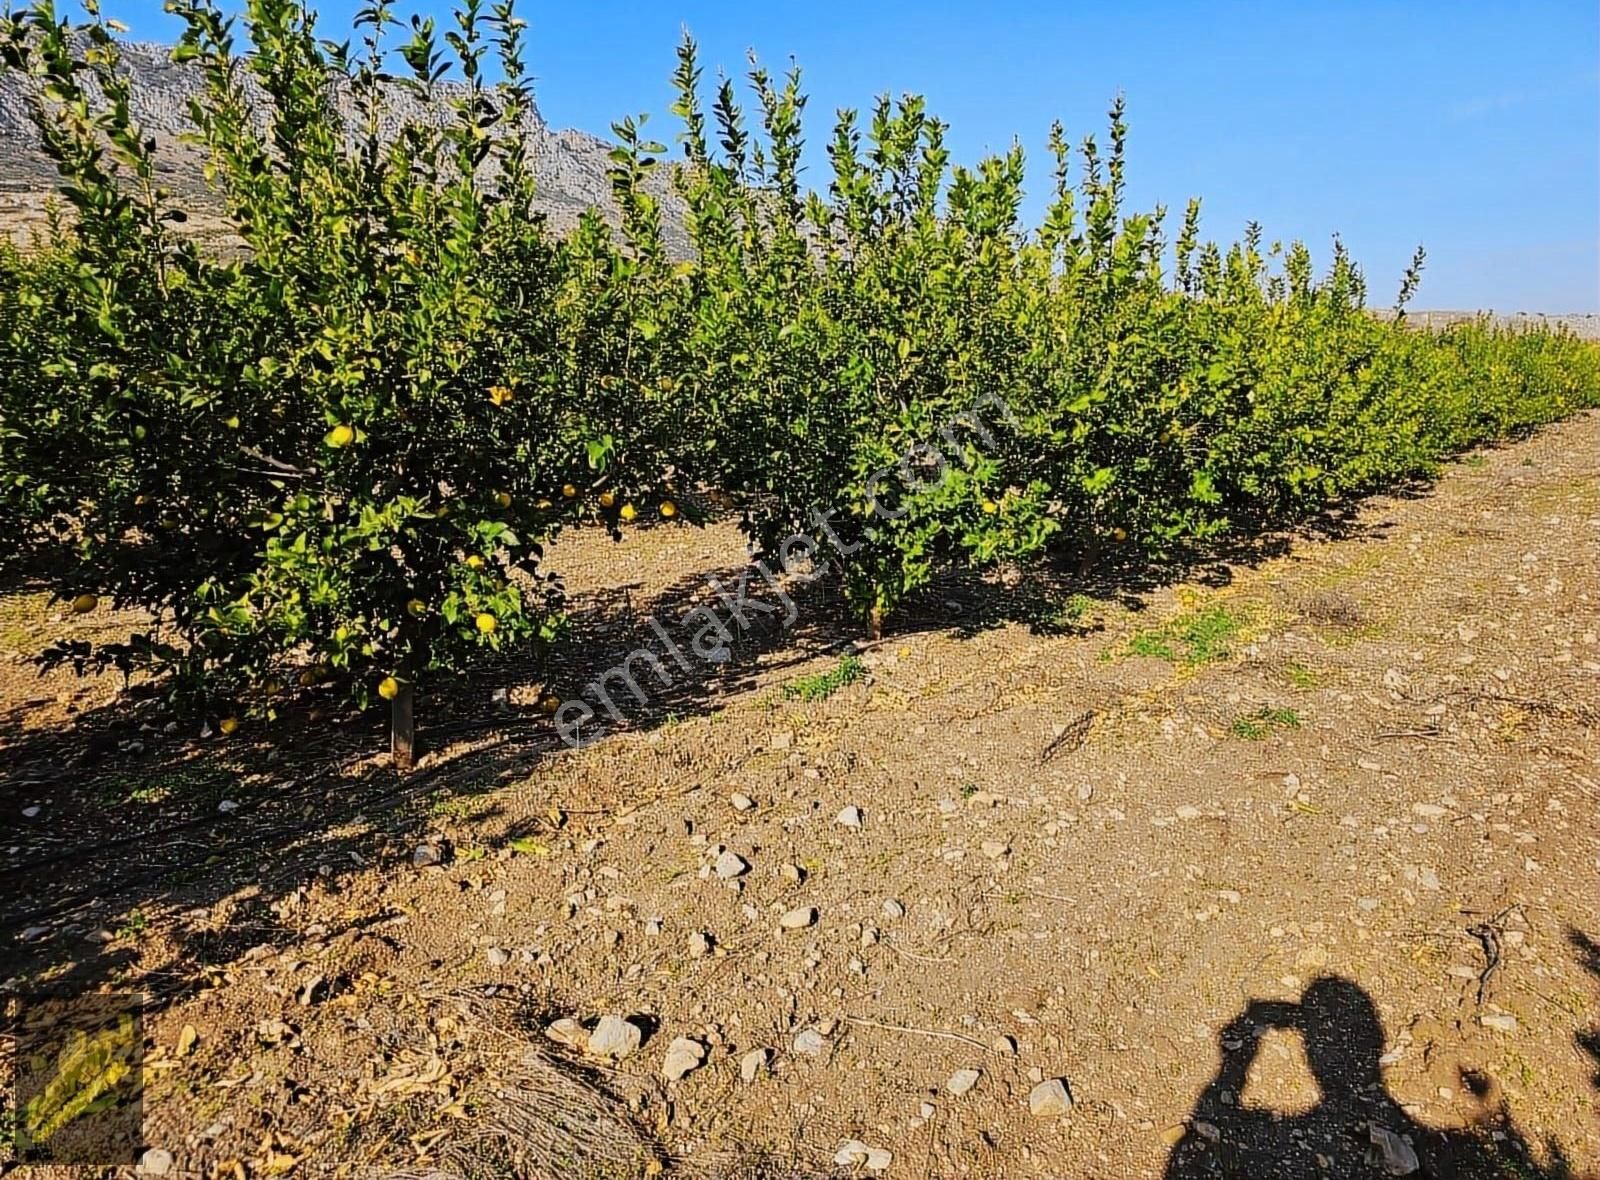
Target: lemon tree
335,457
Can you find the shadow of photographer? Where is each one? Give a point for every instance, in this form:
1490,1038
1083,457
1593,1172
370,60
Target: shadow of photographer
1356,1129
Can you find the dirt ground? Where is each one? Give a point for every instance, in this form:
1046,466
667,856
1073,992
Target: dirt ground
1283,864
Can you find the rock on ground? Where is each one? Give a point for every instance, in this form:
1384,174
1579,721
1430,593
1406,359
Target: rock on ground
1050,1099
854,1153
615,1037
683,1055
963,1080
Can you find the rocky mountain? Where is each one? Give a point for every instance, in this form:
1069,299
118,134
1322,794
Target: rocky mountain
570,165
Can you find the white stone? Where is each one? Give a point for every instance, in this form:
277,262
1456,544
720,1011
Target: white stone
1050,1099
615,1037
854,1153
156,1161
751,1065
963,1080
809,1042
683,1055
1397,1155
568,1032
730,865
798,918
850,817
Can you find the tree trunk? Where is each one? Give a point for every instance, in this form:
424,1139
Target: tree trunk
402,732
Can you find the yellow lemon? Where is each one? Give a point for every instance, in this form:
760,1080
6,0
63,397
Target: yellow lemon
628,512
339,436
487,623
668,509
416,608
1119,535
503,499
388,688
990,507
607,499
549,703
84,603
569,491
307,678
229,726
232,422
474,562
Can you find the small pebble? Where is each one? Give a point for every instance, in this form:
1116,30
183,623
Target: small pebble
798,918
854,1153
683,1055
962,1081
615,1037
1050,1099
156,1161
809,1042
751,1065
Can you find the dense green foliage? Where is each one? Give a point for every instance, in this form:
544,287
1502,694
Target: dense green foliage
339,452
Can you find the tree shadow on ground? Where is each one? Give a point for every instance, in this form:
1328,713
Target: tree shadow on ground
1356,1129
1589,956
137,822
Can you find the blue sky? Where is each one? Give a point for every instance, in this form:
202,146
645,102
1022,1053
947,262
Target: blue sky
1473,128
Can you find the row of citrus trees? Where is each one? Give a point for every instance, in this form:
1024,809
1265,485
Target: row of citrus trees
337,452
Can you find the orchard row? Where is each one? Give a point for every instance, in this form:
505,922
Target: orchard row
337,452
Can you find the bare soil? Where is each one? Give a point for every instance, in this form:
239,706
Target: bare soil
1285,863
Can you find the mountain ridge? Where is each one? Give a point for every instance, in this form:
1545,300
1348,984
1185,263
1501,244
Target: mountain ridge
569,166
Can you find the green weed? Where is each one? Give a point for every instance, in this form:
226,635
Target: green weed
1300,676
1263,721
1198,637
822,685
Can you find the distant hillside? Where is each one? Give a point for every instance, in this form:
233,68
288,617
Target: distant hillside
570,165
